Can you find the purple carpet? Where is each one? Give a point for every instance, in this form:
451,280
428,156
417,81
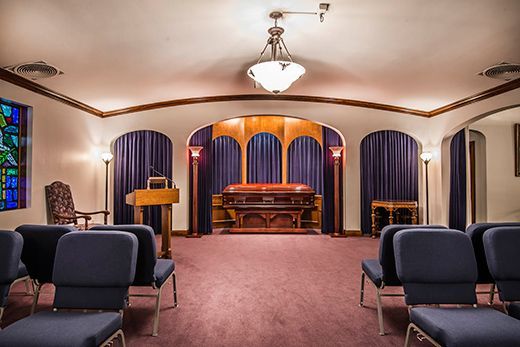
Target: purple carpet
260,290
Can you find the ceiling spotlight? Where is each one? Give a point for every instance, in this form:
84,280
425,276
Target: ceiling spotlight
280,71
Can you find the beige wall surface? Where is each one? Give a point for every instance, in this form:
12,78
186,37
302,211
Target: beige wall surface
502,186
64,143
67,143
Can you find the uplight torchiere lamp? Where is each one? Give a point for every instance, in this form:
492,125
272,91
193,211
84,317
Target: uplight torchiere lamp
107,158
195,154
426,157
336,154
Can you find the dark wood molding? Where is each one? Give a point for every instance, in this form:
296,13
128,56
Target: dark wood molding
39,89
486,94
265,97
354,233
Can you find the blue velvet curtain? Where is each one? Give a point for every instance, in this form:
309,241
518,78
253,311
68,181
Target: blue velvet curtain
389,171
227,163
203,137
330,138
457,211
134,153
264,159
304,163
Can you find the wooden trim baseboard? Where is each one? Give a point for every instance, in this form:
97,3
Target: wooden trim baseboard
42,90
353,233
179,232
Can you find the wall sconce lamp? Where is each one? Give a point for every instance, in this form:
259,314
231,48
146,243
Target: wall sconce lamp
336,151
195,151
195,154
107,158
336,154
426,157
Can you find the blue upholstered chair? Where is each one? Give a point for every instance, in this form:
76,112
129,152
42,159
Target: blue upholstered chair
438,267
502,246
11,244
381,272
23,276
84,281
39,251
150,270
476,232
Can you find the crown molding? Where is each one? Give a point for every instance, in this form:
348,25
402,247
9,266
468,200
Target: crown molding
39,89
486,94
265,97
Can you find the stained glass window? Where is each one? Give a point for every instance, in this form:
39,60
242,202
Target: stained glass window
12,156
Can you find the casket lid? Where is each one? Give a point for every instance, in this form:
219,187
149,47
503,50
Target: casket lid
268,187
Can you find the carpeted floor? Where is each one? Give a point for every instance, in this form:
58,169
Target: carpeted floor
260,290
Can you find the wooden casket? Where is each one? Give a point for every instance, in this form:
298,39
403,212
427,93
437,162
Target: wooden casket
262,207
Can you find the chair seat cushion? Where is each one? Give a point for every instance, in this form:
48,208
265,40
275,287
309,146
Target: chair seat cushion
514,310
163,269
22,270
373,270
61,329
467,327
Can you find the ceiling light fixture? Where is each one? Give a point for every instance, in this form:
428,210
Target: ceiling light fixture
278,73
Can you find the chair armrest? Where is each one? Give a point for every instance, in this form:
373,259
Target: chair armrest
92,213
105,214
74,219
62,216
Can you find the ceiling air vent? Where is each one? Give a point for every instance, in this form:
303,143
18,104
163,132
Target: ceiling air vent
502,71
35,70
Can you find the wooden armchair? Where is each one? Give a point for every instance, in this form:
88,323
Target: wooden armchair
61,206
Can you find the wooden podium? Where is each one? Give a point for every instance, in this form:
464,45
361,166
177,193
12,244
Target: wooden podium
164,197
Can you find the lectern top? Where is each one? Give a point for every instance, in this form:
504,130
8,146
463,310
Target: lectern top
150,197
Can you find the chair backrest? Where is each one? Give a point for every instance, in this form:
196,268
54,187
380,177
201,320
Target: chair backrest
94,269
386,250
59,201
476,232
147,254
503,257
39,249
436,266
11,244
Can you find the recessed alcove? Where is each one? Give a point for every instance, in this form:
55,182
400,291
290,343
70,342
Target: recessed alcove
265,149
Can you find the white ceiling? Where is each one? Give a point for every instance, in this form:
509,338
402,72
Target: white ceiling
116,53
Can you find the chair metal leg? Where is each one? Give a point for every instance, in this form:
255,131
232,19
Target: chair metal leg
380,312
491,294
408,332
174,279
37,288
119,335
27,286
157,311
362,293
122,339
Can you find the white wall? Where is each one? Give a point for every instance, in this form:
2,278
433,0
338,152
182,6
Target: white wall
503,187
64,142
